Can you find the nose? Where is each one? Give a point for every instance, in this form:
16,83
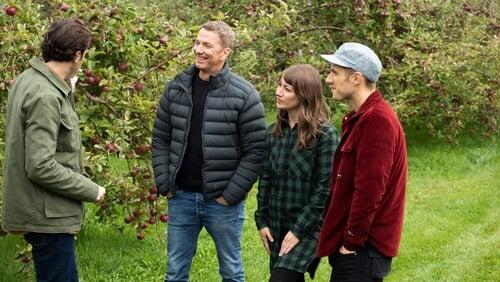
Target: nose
329,79
278,91
197,49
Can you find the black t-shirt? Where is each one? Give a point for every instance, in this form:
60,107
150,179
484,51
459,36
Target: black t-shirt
190,177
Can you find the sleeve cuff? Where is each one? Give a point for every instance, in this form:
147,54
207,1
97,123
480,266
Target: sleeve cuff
229,199
353,242
298,232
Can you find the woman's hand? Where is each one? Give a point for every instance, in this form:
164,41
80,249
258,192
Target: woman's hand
265,236
289,242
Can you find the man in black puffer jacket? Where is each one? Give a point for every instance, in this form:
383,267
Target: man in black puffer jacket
208,145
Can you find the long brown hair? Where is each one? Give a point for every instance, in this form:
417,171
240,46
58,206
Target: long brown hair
306,83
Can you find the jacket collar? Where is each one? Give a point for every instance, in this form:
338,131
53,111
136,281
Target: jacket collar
370,101
41,67
214,81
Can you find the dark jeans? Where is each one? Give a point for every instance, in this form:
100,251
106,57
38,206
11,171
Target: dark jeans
367,264
54,256
280,274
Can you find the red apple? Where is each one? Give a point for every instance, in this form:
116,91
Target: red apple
111,147
94,140
11,11
143,225
164,39
152,220
128,219
467,7
123,67
140,235
136,213
97,80
153,190
113,11
142,149
90,80
153,197
25,260
164,217
142,196
64,7
135,171
138,86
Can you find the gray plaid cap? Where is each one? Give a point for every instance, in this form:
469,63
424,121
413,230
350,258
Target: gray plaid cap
358,57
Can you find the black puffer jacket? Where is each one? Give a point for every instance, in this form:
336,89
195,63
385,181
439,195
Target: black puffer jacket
233,134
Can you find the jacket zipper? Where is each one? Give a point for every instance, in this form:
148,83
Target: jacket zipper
186,137
203,144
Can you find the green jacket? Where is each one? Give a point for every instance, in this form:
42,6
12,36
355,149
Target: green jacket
43,189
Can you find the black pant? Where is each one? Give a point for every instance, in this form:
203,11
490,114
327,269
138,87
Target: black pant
54,256
367,264
280,274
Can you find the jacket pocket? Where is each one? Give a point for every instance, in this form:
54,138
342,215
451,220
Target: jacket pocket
347,164
57,206
67,137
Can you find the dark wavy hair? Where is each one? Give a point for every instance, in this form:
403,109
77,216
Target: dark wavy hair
64,38
306,83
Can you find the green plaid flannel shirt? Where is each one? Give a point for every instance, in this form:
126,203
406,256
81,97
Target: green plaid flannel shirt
292,193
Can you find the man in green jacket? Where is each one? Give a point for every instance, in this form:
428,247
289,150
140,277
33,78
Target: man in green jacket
44,186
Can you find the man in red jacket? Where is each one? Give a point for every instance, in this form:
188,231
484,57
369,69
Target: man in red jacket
364,216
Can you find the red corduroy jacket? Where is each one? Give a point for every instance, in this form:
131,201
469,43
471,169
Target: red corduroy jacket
367,199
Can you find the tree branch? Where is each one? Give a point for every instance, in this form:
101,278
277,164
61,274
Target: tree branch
321,28
100,101
155,67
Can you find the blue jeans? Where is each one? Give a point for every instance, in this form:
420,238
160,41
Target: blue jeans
54,256
188,213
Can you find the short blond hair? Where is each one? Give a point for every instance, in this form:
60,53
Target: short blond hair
223,30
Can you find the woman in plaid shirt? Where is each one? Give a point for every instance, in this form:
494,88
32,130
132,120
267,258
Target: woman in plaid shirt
297,172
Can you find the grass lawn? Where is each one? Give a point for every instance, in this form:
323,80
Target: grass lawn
451,233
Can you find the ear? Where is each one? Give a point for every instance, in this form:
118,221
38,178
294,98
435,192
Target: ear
357,78
227,51
79,56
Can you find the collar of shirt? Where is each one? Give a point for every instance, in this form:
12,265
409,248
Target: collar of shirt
41,67
353,116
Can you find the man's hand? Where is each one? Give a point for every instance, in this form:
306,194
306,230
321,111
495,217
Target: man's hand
100,194
289,242
266,237
344,251
221,201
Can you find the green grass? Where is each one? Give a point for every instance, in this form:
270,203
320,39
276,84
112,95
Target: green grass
451,230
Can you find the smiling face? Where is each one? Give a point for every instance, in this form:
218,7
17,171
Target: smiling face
210,53
339,81
286,99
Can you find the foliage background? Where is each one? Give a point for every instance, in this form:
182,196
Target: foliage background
441,64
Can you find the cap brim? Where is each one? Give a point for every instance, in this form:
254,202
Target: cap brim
335,60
